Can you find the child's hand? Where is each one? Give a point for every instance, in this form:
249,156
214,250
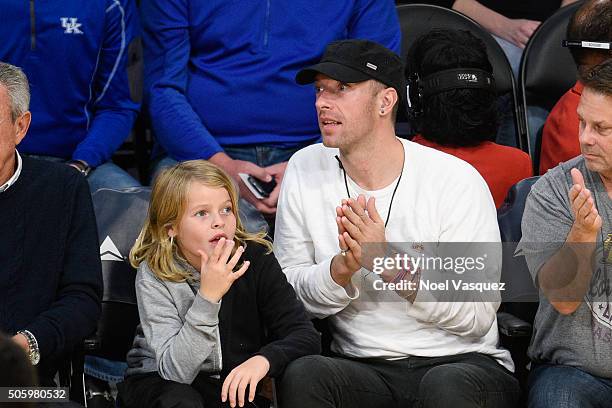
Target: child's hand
248,373
217,274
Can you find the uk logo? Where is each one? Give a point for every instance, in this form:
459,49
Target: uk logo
71,25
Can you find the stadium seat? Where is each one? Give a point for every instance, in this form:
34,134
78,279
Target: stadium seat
119,218
418,19
120,215
547,69
70,375
520,297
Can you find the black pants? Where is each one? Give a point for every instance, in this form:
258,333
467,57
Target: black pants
466,380
152,391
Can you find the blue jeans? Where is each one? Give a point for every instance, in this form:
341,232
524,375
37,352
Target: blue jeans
103,369
106,175
262,155
513,53
560,386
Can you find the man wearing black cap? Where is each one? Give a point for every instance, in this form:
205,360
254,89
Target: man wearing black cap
392,348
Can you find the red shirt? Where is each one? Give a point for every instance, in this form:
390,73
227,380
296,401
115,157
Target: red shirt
560,134
500,166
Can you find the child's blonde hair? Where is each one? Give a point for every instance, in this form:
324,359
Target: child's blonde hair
168,201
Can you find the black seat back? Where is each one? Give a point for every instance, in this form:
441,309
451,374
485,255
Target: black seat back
520,293
120,215
547,69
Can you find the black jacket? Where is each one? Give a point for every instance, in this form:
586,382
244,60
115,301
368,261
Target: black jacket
261,314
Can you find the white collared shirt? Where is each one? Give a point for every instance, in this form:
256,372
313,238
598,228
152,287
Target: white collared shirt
15,176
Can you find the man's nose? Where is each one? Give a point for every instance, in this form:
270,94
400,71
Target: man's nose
322,102
587,136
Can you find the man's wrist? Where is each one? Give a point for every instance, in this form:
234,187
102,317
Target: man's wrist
339,272
578,234
80,165
33,351
22,341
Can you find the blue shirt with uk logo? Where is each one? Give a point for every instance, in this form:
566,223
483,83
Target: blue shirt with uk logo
75,55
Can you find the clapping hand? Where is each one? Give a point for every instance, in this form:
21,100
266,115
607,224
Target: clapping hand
587,220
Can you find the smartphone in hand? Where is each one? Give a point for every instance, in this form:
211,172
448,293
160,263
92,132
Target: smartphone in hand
260,189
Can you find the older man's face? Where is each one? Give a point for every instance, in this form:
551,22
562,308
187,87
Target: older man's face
595,115
11,133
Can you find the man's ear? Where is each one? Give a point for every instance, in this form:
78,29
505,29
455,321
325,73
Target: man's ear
21,126
389,99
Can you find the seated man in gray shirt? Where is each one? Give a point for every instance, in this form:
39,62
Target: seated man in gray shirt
567,237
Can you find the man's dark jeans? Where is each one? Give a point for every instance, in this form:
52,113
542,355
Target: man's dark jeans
465,380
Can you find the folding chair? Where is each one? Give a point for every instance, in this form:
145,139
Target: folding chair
547,69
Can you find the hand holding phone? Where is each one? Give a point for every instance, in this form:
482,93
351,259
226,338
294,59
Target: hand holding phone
260,189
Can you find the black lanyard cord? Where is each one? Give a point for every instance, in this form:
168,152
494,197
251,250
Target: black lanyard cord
392,195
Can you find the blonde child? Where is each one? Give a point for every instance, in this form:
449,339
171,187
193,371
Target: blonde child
217,314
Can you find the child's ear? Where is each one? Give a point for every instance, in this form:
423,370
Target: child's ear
171,231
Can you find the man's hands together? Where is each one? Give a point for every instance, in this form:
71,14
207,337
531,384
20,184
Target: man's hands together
358,223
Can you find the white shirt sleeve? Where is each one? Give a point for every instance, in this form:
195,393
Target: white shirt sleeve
294,249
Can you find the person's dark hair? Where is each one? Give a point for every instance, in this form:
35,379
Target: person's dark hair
591,22
458,117
21,372
599,78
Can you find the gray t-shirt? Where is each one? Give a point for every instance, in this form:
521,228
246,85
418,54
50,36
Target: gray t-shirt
582,339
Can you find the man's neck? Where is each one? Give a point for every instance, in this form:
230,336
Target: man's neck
7,169
374,165
606,179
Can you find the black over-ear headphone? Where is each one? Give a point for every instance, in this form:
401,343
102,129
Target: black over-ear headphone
456,78
418,88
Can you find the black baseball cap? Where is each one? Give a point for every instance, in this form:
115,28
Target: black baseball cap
357,61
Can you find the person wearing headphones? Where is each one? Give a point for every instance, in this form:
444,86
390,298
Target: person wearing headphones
454,107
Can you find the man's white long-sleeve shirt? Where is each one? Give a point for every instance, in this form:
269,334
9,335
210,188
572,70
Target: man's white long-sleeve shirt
439,199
